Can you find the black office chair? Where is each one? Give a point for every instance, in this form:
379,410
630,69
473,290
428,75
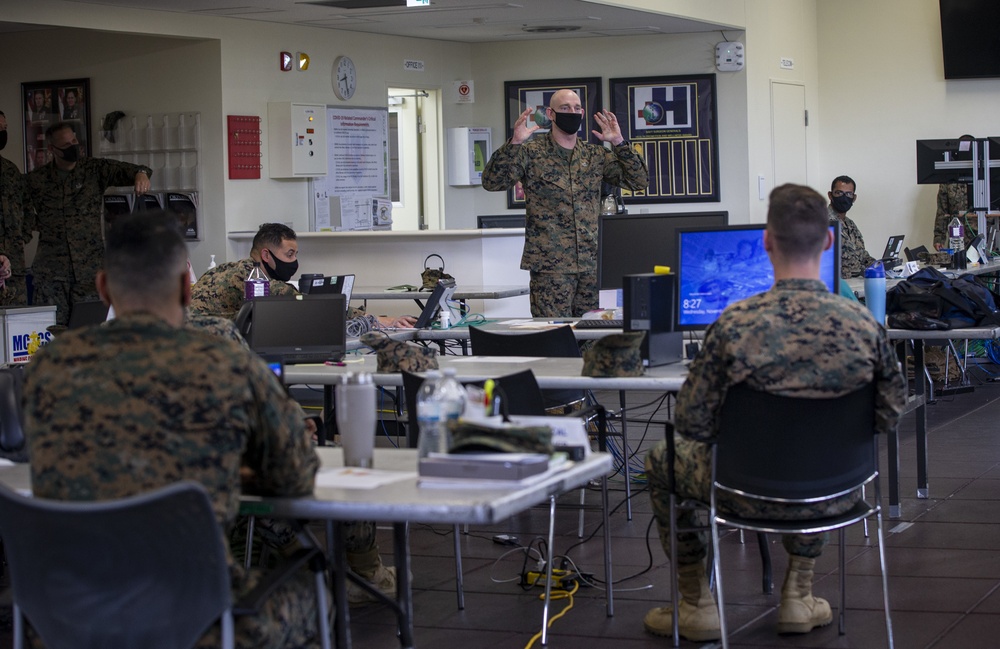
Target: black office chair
553,343
147,571
11,417
796,451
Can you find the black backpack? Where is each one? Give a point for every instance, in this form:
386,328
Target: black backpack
929,299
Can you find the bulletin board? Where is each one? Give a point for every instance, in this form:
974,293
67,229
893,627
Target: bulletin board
357,170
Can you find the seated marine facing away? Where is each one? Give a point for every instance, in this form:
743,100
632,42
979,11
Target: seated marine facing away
220,291
796,340
142,401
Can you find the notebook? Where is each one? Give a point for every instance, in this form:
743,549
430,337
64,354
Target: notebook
298,328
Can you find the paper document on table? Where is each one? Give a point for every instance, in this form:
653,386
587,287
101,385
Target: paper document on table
349,477
452,360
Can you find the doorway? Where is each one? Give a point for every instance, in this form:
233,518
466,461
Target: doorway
415,158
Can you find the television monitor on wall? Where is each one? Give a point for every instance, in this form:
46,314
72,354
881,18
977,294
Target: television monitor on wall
628,244
970,41
719,266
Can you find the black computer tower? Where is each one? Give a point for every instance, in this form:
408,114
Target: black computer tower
649,304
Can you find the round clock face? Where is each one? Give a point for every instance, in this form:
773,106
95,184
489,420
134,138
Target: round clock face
345,78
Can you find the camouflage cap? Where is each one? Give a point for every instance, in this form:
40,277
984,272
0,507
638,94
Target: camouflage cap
395,356
472,437
615,355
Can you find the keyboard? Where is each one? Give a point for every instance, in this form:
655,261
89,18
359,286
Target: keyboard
599,323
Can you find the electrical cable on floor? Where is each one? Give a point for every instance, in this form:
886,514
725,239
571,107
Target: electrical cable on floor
555,595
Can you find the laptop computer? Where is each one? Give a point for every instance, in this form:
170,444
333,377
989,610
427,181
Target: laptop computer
331,284
298,328
86,313
893,248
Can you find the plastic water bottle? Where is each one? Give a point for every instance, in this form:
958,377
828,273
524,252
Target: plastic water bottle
956,235
256,284
441,399
875,291
211,264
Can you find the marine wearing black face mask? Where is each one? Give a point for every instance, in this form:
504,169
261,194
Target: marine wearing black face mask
842,203
282,270
569,122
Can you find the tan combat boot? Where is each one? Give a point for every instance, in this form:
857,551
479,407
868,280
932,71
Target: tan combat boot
368,565
799,611
697,615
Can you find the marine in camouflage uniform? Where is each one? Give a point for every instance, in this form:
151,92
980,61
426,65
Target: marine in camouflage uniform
854,257
562,190
136,404
141,402
220,291
12,234
952,201
68,205
797,340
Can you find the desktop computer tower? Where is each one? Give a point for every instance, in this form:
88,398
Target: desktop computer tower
648,304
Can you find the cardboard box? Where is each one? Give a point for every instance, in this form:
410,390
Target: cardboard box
24,331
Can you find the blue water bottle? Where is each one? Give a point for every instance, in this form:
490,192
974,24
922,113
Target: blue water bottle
875,291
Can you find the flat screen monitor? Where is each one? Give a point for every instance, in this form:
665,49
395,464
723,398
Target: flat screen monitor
720,266
437,300
299,328
944,161
969,40
630,244
485,222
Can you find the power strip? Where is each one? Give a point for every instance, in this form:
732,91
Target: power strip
560,578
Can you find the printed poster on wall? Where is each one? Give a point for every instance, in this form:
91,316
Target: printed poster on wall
357,169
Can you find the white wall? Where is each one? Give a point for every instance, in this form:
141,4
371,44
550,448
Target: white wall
779,29
882,89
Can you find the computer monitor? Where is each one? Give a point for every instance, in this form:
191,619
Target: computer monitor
487,221
632,244
298,328
720,266
437,300
944,161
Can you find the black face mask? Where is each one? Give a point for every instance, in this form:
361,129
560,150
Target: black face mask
568,123
3,139
70,153
841,204
282,270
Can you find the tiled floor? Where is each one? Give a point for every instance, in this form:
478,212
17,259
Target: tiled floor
943,559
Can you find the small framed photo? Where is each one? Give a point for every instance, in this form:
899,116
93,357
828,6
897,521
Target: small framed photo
46,103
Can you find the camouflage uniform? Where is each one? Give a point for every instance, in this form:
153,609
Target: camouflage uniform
797,339
952,201
854,257
562,190
220,291
68,207
136,404
12,234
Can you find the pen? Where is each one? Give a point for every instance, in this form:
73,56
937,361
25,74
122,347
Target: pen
560,322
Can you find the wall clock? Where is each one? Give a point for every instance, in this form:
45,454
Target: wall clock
345,77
